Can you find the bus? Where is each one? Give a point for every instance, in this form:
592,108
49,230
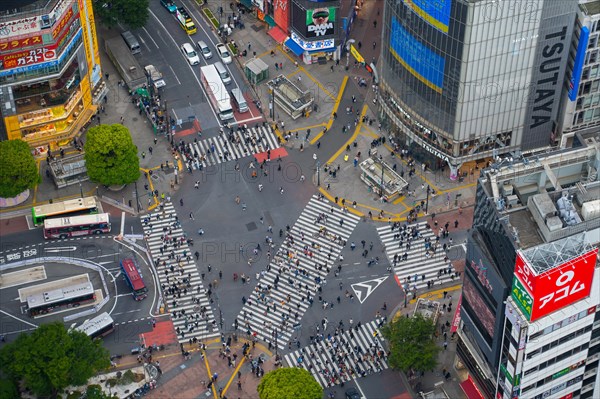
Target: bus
60,298
217,93
99,326
77,206
134,279
185,20
74,226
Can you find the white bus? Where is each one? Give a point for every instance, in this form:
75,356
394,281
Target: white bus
74,226
99,326
217,93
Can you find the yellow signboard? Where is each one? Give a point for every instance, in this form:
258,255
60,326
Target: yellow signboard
356,54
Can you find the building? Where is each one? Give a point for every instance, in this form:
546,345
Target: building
50,77
542,210
463,81
582,109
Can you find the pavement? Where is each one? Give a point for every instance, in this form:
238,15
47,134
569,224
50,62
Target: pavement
333,91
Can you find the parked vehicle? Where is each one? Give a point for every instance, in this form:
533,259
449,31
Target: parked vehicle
224,53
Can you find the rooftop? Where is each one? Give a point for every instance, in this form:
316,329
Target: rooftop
14,9
591,7
547,256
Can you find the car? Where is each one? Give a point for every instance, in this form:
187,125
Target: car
189,53
205,50
352,393
169,5
224,53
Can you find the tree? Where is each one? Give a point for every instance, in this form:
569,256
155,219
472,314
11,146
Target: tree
412,347
18,170
289,383
52,358
8,389
133,13
110,155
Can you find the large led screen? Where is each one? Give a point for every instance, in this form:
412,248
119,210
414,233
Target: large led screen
436,13
416,57
477,304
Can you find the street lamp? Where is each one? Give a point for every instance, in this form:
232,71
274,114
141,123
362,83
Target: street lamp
427,200
137,197
318,174
80,188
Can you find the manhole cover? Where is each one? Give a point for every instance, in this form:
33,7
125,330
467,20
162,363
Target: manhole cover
251,226
155,176
134,119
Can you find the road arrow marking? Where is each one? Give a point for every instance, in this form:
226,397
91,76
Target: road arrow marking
60,249
366,288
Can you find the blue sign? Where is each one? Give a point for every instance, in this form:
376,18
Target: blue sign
435,12
584,37
49,64
417,58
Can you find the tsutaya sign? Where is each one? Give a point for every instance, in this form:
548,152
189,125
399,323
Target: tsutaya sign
540,294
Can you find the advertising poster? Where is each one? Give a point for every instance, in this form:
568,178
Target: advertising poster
281,14
320,22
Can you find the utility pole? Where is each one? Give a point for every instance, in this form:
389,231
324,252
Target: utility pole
137,197
427,199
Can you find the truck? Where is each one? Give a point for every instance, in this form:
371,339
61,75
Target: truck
216,91
185,20
155,76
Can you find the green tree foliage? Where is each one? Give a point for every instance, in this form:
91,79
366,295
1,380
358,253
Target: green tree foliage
289,383
8,389
412,346
110,155
95,392
18,171
52,358
132,13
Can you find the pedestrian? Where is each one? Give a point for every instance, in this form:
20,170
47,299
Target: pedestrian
455,224
359,45
374,45
150,150
122,120
106,75
197,255
281,66
281,190
331,68
191,215
445,345
276,66
155,140
143,154
249,46
299,78
375,24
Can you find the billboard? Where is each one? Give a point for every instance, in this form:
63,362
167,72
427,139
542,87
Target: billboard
313,45
584,37
34,24
281,14
540,295
416,57
19,43
320,22
436,13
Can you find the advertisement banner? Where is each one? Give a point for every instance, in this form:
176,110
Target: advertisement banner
27,57
20,43
313,45
281,14
522,298
436,13
20,27
584,37
320,22
63,22
524,272
417,58
356,54
564,285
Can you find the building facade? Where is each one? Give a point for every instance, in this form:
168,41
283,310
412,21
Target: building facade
467,80
582,105
532,208
50,77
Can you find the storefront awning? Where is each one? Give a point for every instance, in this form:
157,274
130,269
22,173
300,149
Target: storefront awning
246,3
295,47
472,392
269,20
278,34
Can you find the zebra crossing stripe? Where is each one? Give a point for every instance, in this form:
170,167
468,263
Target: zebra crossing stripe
216,150
418,269
317,243
185,311
355,353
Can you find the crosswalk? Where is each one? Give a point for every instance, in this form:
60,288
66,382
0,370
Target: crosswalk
334,359
419,268
226,147
182,288
295,273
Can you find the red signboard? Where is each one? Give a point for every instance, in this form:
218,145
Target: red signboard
281,12
559,286
19,43
62,23
456,319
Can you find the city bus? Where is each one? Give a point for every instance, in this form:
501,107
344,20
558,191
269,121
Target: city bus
99,326
60,298
134,279
185,21
77,206
217,93
75,226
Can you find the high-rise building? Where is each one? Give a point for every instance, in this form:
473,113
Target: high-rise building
467,80
582,108
543,211
50,77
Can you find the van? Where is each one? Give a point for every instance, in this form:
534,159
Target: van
239,100
204,49
223,72
132,42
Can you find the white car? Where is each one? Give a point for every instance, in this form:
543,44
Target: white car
189,53
205,50
224,53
